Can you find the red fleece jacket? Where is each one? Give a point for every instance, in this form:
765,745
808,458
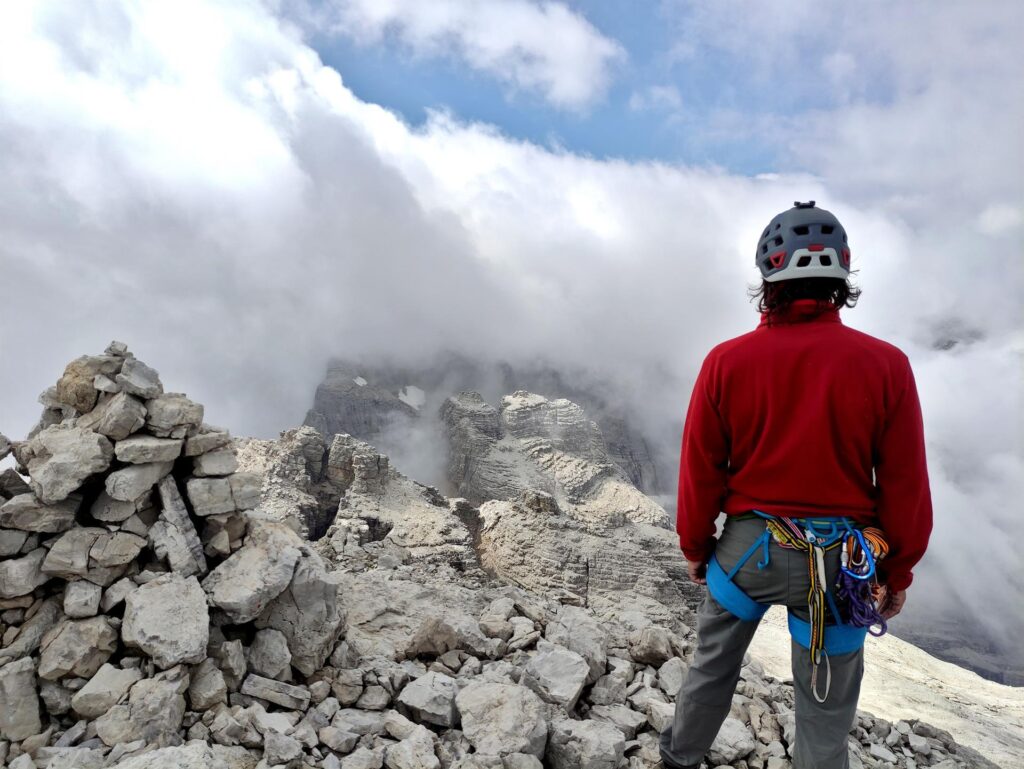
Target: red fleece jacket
805,416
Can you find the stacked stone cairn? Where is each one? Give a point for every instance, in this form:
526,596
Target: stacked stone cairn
151,616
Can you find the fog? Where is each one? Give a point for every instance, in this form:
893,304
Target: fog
195,182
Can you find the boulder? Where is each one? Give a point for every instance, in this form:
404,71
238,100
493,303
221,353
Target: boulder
116,549
117,418
269,655
69,556
309,613
207,439
20,576
499,718
207,687
173,536
210,496
142,449
19,703
172,415
254,575
194,755
109,510
223,461
11,542
75,387
279,750
671,676
556,674
104,690
627,720
414,752
27,513
139,379
130,483
153,713
32,631
431,699
60,457
734,741
82,599
277,692
76,647
585,745
651,645
578,630
168,619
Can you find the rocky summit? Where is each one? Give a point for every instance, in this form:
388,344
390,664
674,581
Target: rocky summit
174,597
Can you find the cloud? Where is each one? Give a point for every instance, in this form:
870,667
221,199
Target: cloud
656,97
196,182
542,47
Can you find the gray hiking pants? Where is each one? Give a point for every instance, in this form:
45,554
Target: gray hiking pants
705,697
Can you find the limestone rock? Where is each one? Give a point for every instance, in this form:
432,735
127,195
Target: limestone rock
104,690
76,647
309,614
222,461
556,674
11,542
210,496
82,599
173,536
19,703
245,584
172,415
207,686
414,752
20,576
194,755
671,676
33,630
585,745
75,387
109,510
27,513
130,483
116,549
578,631
651,645
499,719
168,619
277,692
431,699
279,750
143,449
61,457
153,713
734,741
269,655
139,379
627,720
207,439
69,556
117,418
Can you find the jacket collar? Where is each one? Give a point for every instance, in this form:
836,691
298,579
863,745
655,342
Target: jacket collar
803,311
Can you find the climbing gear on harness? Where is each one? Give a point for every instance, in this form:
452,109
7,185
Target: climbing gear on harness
803,242
814,536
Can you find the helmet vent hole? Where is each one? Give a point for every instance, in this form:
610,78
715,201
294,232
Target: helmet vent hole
803,229
803,261
764,248
844,237
765,234
826,229
778,241
825,259
777,226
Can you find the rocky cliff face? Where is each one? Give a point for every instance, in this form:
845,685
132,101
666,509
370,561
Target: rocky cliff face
163,605
536,443
369,401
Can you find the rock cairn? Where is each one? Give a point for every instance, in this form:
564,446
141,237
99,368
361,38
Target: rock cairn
153,614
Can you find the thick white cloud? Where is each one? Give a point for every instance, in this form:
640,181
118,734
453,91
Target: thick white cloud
195,182
532,46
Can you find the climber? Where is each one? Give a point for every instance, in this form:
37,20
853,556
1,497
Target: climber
808,435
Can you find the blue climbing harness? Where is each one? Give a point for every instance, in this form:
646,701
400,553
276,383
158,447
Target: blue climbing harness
814,536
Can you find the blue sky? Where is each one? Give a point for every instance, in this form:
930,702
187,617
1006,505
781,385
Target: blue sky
724,116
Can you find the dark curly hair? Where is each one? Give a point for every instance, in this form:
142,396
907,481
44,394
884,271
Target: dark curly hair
775,298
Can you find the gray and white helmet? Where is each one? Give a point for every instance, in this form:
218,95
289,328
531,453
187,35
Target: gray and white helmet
803,242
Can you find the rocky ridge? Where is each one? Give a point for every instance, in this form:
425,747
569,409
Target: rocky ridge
163,605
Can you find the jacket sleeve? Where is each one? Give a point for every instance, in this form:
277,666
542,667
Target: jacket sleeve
901,478
703,463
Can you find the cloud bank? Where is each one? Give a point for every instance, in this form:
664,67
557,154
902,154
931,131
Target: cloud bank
542,47
195,182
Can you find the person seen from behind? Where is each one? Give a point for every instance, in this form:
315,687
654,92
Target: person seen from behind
808,435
